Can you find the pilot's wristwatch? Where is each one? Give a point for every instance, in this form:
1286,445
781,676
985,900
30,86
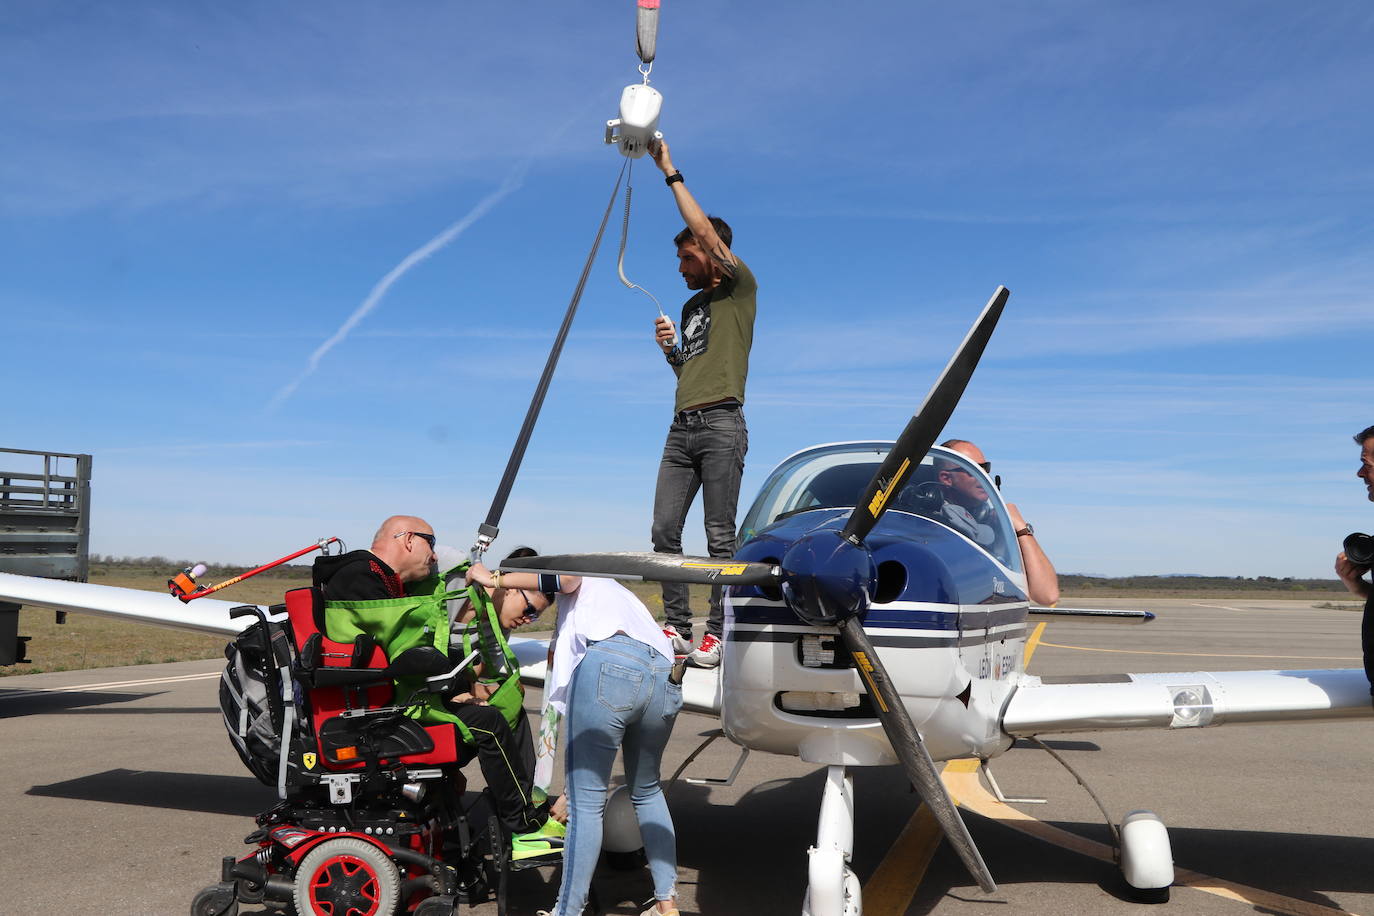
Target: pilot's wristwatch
1022,532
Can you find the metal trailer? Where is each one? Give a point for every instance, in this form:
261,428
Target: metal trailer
45,527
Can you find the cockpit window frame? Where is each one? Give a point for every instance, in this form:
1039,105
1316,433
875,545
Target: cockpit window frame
789,484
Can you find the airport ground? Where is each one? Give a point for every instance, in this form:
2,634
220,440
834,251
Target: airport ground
122,793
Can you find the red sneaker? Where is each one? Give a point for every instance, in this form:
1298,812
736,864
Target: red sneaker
707,652
681,644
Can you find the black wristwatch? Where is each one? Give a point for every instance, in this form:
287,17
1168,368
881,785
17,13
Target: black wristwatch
673,178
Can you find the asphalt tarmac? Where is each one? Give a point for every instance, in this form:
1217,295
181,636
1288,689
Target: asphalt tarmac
120,794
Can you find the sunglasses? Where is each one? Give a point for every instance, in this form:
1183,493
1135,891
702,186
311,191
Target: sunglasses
985,465
531,613
429,539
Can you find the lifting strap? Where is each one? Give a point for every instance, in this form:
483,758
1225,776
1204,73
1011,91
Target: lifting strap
489,529
646,30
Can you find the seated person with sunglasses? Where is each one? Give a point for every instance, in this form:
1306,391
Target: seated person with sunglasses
1042,582
403,552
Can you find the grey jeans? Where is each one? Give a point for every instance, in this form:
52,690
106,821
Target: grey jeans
704,451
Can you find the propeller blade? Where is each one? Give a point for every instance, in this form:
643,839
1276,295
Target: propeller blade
911,750
923,428
655,567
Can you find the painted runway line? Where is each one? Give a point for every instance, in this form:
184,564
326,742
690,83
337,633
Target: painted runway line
969,791
109,685
894,882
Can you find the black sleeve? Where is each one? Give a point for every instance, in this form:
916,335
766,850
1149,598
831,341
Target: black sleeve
355,582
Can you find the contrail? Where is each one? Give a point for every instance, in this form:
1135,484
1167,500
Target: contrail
512,182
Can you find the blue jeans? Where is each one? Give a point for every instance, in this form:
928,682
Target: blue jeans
704,451
619,697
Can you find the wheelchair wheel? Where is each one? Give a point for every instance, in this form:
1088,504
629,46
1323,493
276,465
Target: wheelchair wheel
436,906
215,900
347,877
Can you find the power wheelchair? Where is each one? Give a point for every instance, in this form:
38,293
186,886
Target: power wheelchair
371,820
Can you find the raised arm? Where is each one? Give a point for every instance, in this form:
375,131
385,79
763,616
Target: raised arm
521,580
692,214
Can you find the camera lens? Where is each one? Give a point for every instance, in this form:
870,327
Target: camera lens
1359,548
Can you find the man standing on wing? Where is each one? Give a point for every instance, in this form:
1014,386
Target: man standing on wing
709,353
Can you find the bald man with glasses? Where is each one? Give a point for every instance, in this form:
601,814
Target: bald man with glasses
1042,582
402,552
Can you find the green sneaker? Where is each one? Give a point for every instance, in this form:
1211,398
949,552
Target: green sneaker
552,828
533,845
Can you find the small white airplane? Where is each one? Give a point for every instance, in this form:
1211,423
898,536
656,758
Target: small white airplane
869,624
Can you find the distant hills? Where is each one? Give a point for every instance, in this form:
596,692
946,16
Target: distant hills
1195,583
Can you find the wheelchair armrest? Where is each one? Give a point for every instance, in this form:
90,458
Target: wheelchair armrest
418,660
446,683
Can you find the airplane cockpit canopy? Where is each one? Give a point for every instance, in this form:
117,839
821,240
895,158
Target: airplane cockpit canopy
946,487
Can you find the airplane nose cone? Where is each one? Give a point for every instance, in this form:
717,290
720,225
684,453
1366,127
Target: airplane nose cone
826,578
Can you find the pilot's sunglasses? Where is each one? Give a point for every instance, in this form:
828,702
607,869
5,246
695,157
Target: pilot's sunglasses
429,539
985,465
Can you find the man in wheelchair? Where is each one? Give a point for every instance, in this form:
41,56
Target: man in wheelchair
351,701
363,588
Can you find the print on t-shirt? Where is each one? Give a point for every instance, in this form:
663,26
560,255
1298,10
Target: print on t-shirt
696,331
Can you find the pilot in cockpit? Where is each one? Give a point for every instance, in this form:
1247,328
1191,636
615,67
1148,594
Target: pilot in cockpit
966,502
1042,582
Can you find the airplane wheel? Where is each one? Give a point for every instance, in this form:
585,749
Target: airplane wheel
853,897
1147,861
1150,894
347,877
215,900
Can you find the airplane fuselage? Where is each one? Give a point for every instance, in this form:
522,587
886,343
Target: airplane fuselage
949,621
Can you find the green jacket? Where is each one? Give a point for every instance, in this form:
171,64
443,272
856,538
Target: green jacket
421,619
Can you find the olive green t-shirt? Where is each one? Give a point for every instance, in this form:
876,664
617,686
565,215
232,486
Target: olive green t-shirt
715,335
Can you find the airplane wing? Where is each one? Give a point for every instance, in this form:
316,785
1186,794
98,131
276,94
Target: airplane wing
1193,699
700,687
1036,612
204,615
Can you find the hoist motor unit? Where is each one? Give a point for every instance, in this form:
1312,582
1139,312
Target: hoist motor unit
638,122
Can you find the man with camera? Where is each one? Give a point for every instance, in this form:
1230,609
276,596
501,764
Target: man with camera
1358,556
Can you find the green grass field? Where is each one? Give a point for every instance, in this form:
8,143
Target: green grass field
85,641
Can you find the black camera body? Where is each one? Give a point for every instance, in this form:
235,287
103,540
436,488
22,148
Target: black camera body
1359,549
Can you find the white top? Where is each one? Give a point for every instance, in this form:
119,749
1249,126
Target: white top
598,610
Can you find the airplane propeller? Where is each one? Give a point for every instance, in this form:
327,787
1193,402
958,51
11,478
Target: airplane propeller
828,578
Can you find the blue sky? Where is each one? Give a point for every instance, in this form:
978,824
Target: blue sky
195,197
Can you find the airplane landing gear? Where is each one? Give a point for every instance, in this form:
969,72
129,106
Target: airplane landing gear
832,887
1145,857
1142,843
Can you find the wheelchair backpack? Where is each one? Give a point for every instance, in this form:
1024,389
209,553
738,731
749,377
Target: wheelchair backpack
256,698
